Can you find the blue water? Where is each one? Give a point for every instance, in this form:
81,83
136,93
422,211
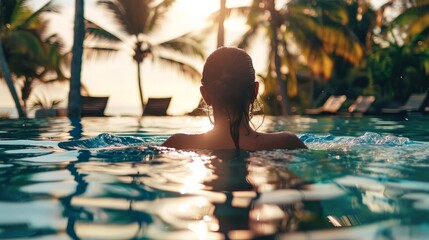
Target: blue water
108,178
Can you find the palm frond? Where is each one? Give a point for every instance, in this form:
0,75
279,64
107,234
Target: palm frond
184,68
95,32
157,14
48,7
9,10
55,39
25,42
55,80
318,60
55,57
248,36
44,103
419,26
99,52
186,44
336,37
130,15
414,20
332,9
411,15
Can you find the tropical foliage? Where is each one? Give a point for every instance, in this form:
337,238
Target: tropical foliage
309,33
340,47
31,57
399,64
140,19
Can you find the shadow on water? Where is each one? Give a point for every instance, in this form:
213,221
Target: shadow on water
77,129
70,212
230,171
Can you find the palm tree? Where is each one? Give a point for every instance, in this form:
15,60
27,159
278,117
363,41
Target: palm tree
313,31
139,19
399,64
74,101
45,68
363,20
6,75
20,36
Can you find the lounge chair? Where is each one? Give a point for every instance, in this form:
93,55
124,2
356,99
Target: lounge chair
361,104
157,106
93,106
331,106
414,103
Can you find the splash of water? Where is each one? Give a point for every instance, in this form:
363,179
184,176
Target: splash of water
368,138
101,141
315,141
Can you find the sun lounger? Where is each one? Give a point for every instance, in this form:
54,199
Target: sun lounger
361,104
414,104
93,106
331,106
157,106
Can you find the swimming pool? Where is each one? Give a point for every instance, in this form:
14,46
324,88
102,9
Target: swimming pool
107,178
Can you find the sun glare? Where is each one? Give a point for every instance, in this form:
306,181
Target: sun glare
234,24
199,7
204,8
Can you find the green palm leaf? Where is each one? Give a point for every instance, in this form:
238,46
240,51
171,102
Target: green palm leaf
99,34
48,7
184,68
336,38
21,41
415,19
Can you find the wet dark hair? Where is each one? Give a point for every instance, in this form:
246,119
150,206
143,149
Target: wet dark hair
229,80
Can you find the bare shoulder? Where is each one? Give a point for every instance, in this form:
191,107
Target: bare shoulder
180,140
285,140
293,140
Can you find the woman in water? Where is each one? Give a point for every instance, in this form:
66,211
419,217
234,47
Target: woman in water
229,86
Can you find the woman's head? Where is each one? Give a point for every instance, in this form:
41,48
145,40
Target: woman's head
229,85
229,77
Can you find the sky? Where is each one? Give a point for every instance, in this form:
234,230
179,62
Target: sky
116,76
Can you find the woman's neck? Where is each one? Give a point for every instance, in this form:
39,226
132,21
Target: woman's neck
222,124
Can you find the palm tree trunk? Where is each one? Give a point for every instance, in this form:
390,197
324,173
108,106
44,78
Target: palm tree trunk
5,71
280,83
270,7
221,28
74,102
140,86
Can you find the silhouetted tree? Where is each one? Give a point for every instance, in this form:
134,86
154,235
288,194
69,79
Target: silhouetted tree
74,101
140,19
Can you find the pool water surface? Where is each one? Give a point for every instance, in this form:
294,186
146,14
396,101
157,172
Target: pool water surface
108,178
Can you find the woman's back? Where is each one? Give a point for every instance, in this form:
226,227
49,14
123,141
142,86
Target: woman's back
252,141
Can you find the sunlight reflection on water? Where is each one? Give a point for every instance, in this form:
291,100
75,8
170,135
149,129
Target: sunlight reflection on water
107,178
